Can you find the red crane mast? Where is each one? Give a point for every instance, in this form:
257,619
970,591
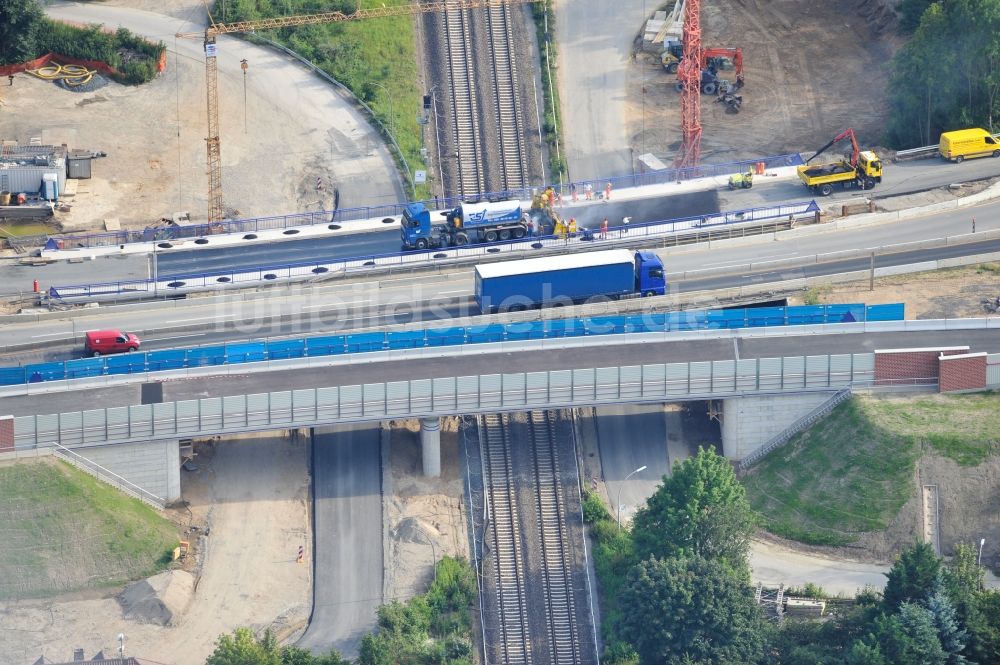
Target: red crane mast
689,75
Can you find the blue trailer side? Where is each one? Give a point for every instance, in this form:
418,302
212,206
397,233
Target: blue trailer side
566,279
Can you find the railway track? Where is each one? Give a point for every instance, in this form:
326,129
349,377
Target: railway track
465,110
564,644
544,632
505,540
489,146
507,106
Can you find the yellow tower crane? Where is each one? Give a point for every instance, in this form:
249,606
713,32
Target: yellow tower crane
213,145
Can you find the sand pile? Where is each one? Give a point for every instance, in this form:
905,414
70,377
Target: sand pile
158,599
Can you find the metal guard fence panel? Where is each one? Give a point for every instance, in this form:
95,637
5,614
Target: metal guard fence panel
441,396
366,342
180,282
164,233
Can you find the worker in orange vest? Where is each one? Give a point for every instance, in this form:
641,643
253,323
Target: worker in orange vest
604,229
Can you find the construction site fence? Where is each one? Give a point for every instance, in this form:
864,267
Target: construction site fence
181,283
333,345
443,396
342,215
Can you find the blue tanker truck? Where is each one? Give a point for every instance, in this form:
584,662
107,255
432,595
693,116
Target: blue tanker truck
569,278
468,223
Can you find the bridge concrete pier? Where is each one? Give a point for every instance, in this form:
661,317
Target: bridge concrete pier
750,422
430,446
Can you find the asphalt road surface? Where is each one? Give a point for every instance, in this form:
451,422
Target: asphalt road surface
347,521
388,242
610,355
903,178
631,436
406,305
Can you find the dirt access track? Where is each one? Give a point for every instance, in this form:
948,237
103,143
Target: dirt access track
812,70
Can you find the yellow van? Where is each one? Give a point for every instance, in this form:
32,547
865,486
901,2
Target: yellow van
968,143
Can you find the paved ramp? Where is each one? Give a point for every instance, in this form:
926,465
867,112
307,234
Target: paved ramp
347,522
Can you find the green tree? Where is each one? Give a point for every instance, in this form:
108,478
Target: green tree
913,577
20,21
297,656
701,509
963,576
910,12
909,637
375,650
242,648
951,635
984,628
922,73
864,653
693,608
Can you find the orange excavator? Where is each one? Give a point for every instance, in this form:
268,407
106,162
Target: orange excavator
713,60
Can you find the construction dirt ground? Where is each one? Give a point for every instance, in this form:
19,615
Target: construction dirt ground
154,135
812,70
246,515
423,517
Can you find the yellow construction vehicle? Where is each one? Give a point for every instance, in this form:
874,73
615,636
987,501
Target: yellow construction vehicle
741,180
863,170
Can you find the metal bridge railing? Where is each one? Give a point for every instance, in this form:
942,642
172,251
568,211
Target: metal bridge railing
445,396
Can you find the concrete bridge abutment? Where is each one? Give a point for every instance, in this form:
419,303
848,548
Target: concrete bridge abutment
750,422
154,466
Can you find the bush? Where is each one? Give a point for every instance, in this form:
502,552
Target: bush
132,56
593,508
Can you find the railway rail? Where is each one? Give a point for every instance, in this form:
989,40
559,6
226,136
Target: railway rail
489,144
564,643
531,555
465,111
507,105
504,526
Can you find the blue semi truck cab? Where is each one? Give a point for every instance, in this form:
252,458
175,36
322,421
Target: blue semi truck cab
467,223
567,279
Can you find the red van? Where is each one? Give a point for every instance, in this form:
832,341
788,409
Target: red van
100,342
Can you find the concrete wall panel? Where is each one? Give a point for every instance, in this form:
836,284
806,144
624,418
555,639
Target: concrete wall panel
750,422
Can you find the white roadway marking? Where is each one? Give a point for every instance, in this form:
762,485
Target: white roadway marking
335,304
58,334
163,339
756,259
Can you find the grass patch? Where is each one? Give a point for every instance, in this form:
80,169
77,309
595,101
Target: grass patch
988,269
614,555
963,428
551,114
853,471
841,477
363,55
62,530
